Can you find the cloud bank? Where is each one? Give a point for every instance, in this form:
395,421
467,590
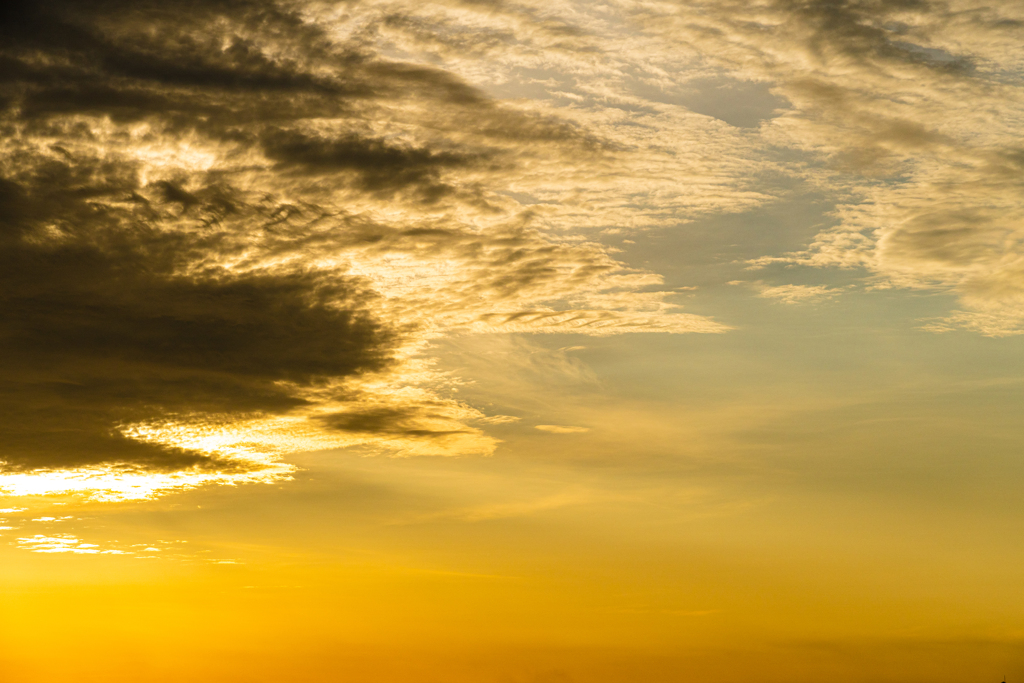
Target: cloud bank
229,230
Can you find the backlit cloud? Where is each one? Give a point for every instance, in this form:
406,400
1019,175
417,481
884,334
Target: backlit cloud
230,229
64,543
562,429
794,294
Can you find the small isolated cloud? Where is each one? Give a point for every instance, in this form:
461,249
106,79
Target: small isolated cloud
798,294
499,419
792,294
562,429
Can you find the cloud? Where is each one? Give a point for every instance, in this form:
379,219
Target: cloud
910,105
105,324
792,294
382,168
561,429
904,112
64,543
510,510
230,230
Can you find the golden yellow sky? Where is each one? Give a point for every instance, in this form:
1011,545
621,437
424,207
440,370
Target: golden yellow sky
507,341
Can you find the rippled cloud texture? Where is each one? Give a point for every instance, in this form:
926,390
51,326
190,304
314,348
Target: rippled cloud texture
230,230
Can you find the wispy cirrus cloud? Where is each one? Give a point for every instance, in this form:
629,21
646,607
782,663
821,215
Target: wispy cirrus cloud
792,294
562,429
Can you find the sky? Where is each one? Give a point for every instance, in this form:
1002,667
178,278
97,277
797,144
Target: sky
487,341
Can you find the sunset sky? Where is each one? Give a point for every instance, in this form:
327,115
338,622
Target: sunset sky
526,341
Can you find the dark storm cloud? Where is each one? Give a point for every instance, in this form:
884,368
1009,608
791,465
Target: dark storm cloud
153,43
101,327
112,312
222,68
382,168
189,65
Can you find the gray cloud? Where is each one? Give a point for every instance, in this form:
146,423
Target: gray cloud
110,313
104,324
408,421
382,168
